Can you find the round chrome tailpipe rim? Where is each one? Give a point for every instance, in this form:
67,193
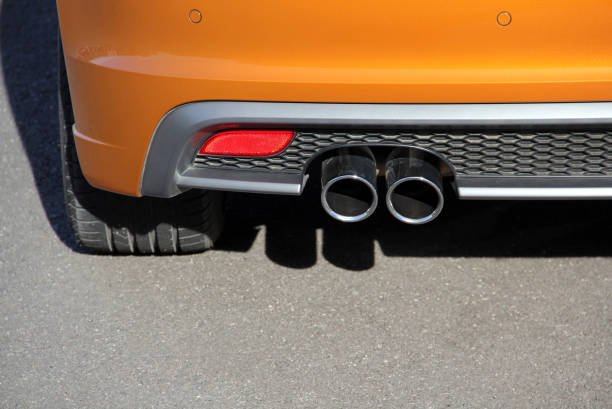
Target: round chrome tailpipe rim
414,190
348,183
349,198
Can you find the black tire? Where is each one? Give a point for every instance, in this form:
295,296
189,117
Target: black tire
105,222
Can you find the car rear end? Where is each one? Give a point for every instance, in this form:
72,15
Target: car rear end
397,104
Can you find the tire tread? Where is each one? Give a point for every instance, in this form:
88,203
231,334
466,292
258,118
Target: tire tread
109,223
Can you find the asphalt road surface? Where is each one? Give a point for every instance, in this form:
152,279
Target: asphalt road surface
496,304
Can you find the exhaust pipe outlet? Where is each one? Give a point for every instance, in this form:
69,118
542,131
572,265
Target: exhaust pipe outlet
348,182
414,189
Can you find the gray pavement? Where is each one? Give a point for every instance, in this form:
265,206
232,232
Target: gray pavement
496,304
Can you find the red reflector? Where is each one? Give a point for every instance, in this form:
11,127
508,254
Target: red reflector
247,143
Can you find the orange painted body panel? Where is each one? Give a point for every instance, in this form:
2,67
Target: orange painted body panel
130,62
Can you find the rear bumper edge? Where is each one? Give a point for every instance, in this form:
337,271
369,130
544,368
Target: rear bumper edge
168,167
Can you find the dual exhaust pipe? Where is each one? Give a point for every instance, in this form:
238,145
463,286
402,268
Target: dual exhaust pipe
349,192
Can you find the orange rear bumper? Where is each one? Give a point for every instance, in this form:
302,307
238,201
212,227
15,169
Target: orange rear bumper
129,64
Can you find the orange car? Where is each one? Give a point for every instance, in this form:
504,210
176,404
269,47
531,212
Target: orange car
392,104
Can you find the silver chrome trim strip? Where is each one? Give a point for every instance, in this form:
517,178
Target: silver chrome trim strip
191,182
173,145
241,181
301,113
534,193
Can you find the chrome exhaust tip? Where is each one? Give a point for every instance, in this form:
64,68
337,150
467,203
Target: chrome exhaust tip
348,183
414,189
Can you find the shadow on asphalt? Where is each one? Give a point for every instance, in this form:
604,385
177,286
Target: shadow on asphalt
28,35
465,229
468,229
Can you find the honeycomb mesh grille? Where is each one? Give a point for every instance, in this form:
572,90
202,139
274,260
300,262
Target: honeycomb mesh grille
559,153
